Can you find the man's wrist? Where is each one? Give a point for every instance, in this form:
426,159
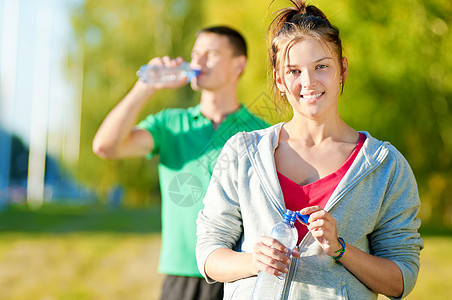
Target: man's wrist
144,89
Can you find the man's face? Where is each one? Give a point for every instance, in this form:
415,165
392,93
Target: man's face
213,55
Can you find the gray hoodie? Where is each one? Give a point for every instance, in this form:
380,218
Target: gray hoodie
375,206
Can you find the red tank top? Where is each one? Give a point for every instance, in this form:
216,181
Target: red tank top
297,196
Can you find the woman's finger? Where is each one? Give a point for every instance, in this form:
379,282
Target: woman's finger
271,256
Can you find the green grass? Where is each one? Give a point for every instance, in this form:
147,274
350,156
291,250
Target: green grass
65,219
79,266
62,252
435,276
93,253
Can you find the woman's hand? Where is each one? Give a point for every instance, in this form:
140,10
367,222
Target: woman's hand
323,227
271,256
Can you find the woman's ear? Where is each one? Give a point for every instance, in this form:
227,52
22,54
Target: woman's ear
278,81
344,69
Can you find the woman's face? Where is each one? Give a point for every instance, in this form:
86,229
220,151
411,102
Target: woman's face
310,77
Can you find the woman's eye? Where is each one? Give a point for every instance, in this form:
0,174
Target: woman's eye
321,67
293,72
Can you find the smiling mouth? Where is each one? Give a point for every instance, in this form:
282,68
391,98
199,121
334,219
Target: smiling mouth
312,97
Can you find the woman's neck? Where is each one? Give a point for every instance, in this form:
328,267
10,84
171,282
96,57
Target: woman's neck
314,132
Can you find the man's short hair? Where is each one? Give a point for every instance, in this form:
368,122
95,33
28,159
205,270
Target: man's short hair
236,40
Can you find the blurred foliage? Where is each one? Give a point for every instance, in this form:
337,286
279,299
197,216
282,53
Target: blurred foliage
399,86
116,38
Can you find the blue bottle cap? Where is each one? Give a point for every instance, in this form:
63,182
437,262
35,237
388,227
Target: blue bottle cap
304,218
192,74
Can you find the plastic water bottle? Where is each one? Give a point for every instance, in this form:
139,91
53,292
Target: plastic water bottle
270,286
160,74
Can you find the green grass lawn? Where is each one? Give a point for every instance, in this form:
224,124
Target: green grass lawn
435,276
80,253
79,266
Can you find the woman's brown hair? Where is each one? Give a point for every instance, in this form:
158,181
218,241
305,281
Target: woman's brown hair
292,24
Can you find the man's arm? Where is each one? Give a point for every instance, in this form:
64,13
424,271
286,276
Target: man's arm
117,137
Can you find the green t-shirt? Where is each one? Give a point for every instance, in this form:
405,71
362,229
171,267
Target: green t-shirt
188,147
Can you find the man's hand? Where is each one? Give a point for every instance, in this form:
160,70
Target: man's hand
167,62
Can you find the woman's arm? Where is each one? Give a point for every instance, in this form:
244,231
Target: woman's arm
269,255
226,265
379,274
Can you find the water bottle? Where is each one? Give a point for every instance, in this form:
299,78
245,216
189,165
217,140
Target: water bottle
270,286
160,74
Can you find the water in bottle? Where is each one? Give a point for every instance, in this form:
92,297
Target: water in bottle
160,74
270,286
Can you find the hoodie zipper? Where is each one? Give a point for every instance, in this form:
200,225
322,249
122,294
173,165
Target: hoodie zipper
291,272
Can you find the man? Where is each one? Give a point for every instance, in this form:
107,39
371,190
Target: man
188,142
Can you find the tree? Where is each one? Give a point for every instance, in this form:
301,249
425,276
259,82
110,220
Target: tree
399,86
116,38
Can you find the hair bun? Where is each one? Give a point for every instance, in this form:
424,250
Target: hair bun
300,6
315,12
300,9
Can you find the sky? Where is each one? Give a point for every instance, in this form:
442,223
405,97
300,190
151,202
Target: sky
38,99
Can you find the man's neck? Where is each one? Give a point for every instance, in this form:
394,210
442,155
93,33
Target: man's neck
217,106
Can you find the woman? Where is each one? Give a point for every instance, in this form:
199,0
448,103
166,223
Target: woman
360,193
